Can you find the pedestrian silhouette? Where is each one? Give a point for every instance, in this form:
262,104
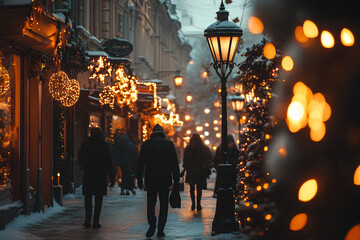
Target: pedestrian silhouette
159,160
233,158
125,154
94,157
196,163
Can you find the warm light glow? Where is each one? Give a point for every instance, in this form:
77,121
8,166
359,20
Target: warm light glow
189,98
273,181
308,190
282,152
216,122
206,124
188,132
214,148
266,186
231,117
247,204
218,135
287,63
327,39
347,37
187,117
354,233
216,128
310,29
296,111
178,81
266,148
298,222
191,62
206,111
299,35
258,188
58,174
309,109
268,217
267,136
255,25
357,176
204,74
199,128
207,142
269,51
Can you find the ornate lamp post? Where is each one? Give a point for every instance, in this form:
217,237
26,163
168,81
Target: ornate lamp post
223,38
237,103
178,79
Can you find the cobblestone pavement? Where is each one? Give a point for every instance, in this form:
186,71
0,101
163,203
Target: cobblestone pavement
124,217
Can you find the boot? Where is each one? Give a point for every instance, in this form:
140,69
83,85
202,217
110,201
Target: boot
150,232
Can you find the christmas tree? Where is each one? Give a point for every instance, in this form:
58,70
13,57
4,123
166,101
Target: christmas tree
258,74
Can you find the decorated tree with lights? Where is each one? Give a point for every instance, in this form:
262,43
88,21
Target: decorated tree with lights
258,74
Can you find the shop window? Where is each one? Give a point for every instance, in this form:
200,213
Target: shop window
94,121
9,122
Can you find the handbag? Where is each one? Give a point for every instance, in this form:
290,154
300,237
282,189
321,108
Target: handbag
175,199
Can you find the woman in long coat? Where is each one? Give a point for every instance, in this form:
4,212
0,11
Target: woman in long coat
94,157
197,158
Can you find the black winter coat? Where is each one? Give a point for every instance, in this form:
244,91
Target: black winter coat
196,163
94,157
158,159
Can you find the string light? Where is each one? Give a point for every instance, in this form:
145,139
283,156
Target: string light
4,81
63,89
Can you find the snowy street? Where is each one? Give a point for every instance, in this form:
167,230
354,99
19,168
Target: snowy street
122,217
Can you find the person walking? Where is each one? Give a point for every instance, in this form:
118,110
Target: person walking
125,155
233,158
94,157
158,162
196,163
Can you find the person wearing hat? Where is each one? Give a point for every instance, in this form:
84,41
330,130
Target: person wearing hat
158,163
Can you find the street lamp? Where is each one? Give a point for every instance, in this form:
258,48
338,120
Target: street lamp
223,38
237,103
178,79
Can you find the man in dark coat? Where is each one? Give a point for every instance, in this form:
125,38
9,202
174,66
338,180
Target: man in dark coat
94,158
158,158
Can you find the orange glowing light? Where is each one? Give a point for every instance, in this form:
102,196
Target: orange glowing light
266,148
347,37
266,186
255,25
204,75
327,39
274,180
354,233
258,188
191,62
189,98
357,176
269,51
247,204
247,174
308,190
287,63
268,217
298,222
299,35
187,117
310,29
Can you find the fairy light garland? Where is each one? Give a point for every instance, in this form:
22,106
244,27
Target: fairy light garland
4,81
100,69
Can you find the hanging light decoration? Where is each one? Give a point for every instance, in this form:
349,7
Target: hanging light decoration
100,68
57,85
72,93
107,96
63,89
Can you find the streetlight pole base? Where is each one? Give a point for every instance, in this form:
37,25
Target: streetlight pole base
224,220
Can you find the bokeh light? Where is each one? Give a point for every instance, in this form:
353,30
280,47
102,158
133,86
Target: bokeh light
327,39
298,222
347,37
310,29
255,25
269,51
357,176
299,35
308,190
287,63
354,233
